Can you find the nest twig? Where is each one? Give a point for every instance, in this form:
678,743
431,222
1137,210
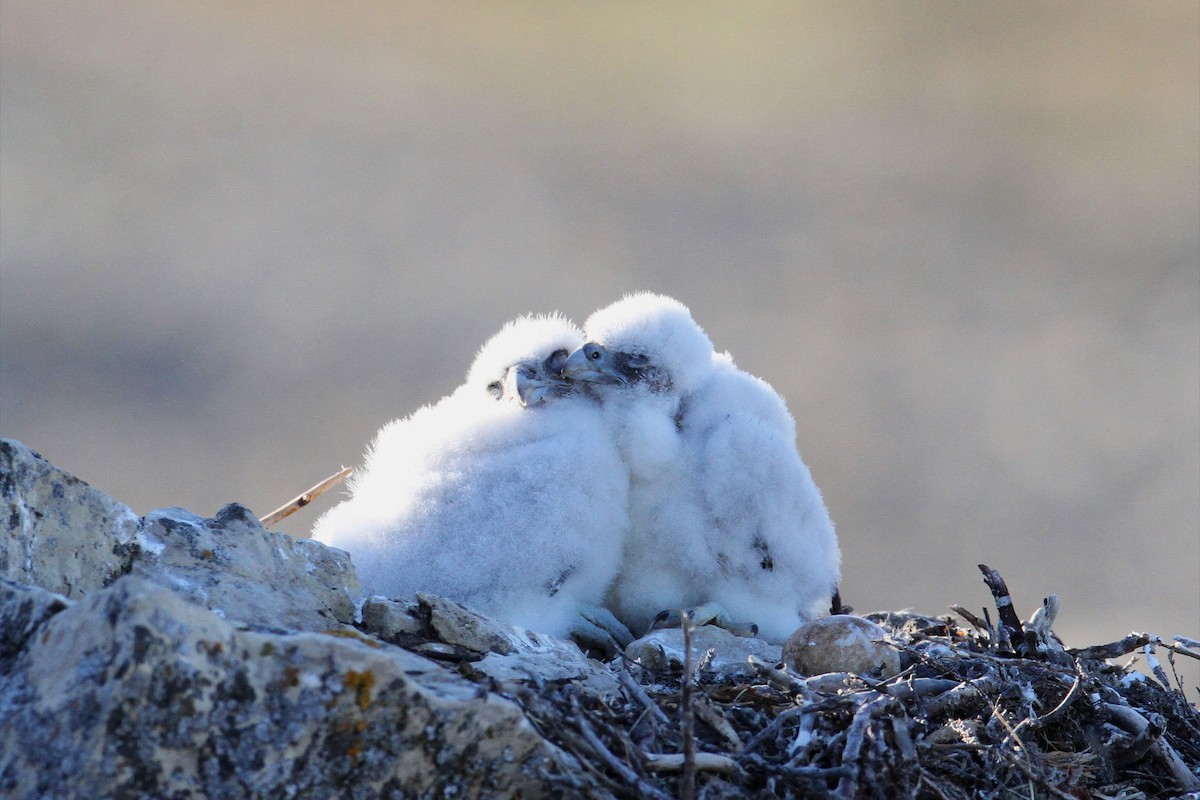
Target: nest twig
304,498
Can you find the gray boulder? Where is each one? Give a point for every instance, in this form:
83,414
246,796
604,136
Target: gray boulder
59,532
241,571
134,692
189,657
67,537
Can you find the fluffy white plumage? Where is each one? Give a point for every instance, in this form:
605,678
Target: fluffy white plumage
722,508
516,511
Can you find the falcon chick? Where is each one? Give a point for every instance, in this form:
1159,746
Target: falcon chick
507,496
723,512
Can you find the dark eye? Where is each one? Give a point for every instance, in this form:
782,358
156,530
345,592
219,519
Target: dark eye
556,361
495,388
594,355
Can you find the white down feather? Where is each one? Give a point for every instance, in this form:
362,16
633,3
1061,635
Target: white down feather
517,512
721,506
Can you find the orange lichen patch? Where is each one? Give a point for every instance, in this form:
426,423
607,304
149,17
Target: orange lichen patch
212,648
291,677
347,633
361,683
206,554
348,726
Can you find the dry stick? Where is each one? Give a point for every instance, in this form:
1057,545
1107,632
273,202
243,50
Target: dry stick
1113,650
967,693
639,693
551,723
848,786
779,677
717,721
622,769
300,501
1061,708
1134,722
994,639
1014,759
578,745
1174,648
1143,731
775,726
975,621
1155,665
920,688
1004,605
674,762
1176,766
687,789
904,742
785,718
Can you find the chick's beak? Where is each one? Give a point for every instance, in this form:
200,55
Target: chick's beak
592,362
525,386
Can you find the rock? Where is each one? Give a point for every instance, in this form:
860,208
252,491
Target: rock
68,537
23,609
134,692
60,533
513,655
456,624
662,650
240,570
842,643
391,620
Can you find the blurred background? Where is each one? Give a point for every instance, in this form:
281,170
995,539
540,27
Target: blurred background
961,239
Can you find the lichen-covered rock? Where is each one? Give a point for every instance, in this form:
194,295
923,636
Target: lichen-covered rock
240,570
133,692
59,532
67,537
456,624
714,650
23,609
391,620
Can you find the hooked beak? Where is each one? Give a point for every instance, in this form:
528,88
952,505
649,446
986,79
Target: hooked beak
592,363
523,384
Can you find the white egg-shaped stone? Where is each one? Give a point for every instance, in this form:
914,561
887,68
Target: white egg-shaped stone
842,643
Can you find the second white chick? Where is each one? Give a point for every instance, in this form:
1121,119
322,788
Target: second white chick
731,520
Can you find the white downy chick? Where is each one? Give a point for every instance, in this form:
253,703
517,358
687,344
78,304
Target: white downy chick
507,496
722,509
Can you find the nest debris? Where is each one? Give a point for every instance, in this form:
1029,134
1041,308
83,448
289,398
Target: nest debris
982,711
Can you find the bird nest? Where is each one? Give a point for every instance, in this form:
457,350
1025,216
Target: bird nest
979,710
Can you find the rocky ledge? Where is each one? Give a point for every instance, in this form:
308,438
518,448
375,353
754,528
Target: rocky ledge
176,656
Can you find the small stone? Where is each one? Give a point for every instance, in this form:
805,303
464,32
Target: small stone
456,624
390,620
842,643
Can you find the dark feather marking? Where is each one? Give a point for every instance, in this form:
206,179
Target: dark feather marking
553,586
767,562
